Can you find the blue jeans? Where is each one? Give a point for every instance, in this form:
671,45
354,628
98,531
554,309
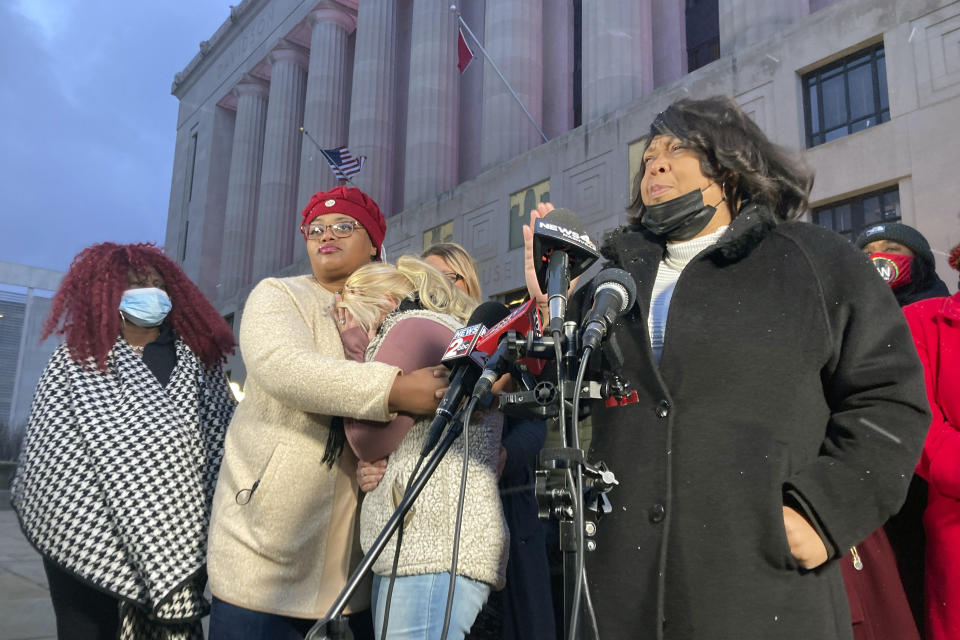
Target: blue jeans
230,622
418,604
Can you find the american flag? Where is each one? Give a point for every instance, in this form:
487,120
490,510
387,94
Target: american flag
342,163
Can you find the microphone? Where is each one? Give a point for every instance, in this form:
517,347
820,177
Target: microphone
523,319
562,250
465,362
615,292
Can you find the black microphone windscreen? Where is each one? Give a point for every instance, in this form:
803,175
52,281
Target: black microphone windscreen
565,218
488,313
613,275
562,229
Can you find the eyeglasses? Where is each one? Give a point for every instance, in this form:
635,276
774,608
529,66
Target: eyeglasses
452,276
339,229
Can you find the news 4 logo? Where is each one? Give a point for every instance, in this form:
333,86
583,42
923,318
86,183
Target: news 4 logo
545,226
463,342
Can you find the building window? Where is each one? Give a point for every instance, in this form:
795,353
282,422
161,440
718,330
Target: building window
512,298
193,167
850,217
846,96
703,32
521,203
436,235
13,313
183,243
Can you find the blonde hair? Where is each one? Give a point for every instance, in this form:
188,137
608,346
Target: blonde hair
378,287
462,264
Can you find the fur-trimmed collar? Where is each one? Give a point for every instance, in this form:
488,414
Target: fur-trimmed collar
745,232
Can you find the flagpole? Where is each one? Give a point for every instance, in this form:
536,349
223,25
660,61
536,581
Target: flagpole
330,160
493,64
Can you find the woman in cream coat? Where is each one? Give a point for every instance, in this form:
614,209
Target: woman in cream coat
283,535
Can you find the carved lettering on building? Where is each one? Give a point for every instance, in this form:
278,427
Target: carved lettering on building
254,34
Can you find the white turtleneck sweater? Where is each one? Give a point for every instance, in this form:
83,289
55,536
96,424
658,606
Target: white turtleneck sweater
679,255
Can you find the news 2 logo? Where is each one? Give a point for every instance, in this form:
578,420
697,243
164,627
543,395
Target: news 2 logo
463,342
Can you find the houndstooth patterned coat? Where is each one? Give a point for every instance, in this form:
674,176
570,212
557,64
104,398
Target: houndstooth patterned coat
116,478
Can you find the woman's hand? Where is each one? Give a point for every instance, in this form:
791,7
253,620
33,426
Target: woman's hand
369,474
529,266
341,316
529,260
345,320
419,392
805,544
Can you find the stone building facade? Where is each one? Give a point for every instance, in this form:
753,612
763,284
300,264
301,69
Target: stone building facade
870,88
25,298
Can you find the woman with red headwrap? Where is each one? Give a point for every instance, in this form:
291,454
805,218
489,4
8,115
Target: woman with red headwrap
284,531
123,446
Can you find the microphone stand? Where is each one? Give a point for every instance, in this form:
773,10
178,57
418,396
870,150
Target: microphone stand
559,480
332,622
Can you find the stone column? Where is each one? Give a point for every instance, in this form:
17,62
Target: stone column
372,99
471,96
558,70
277,213
669,27
617,54
243,186
514,39
434,93
327,108
747,22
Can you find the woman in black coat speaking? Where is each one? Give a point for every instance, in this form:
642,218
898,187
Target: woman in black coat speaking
781,404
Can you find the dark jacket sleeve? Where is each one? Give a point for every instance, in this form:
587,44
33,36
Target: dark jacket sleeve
873,383
522,439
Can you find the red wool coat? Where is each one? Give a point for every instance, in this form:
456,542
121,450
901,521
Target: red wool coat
935,324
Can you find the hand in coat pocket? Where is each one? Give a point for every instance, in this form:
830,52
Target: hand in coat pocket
805,544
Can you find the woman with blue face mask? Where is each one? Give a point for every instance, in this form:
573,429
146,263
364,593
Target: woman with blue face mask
123,446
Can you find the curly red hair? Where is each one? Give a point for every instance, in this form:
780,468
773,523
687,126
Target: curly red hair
85,309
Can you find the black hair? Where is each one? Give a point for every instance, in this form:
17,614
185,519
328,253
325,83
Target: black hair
924,283
734,152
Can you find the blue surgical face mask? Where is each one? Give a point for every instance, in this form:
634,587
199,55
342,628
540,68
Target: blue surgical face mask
145,307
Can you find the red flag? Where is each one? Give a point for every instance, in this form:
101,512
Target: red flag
464,54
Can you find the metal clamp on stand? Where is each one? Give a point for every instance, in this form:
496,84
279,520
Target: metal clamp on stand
567,486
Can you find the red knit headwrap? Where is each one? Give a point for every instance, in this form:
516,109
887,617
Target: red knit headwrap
352,202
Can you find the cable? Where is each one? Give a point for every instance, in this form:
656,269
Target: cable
558,356
578,498
456,532
589,603
396,553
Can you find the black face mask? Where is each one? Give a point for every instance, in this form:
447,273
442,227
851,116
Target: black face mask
679,219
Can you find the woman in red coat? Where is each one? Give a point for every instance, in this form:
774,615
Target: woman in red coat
935,324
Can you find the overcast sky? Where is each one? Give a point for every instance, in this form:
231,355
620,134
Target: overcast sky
87,122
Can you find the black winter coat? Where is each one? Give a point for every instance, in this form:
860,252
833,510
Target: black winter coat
527,599
788,375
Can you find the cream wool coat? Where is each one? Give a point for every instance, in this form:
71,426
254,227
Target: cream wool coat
284,527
